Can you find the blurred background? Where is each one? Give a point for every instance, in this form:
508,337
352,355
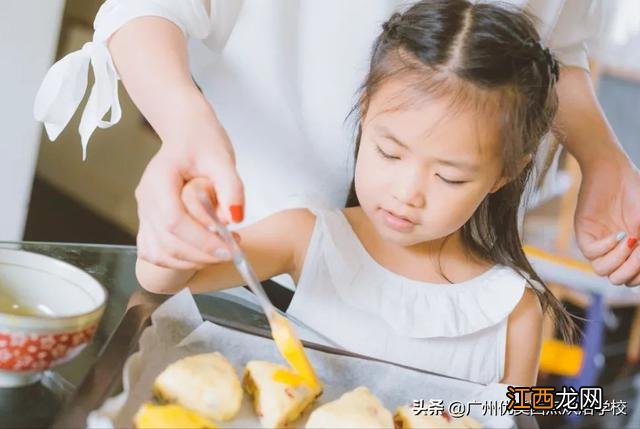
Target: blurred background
55,195
50,194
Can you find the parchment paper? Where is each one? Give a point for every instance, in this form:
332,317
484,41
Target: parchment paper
178,330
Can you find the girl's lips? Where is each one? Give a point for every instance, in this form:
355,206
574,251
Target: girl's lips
397,223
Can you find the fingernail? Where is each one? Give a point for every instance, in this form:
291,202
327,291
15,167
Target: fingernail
237,212
621,235
631,241
236,236
222,254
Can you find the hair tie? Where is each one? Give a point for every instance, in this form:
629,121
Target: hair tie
552,63
539,52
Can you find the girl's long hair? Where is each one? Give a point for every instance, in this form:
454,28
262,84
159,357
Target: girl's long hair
489,58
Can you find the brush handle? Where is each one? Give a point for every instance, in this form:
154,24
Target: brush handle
241,263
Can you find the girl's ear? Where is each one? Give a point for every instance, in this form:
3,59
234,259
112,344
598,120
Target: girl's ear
524,161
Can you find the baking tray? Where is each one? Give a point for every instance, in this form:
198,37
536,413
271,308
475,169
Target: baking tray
104,380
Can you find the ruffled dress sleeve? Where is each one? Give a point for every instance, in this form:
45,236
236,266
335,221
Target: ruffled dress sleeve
64,85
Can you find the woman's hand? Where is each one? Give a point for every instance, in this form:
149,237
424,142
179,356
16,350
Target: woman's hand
168,235
199,198
608,206
150,54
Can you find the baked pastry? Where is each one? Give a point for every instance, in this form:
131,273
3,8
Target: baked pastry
169,416
277,403
206,383
404,418
356,409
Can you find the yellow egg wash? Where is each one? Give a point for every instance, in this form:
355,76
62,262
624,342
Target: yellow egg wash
293,351
152,416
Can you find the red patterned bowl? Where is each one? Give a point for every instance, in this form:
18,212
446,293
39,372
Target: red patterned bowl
49,311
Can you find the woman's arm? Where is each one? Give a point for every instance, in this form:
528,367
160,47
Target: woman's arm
150,54
586,131
608,202
524,341
274,245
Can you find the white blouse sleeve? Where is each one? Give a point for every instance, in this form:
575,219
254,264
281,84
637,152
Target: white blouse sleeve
568,26
65,83
580,22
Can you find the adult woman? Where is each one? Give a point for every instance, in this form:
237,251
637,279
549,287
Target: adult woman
283,73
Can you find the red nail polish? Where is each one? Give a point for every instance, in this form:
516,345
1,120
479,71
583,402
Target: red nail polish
631,241
237,212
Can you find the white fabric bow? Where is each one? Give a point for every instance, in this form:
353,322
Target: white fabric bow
64,86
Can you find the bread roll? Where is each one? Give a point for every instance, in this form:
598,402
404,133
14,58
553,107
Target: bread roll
356,409
277,404
205,383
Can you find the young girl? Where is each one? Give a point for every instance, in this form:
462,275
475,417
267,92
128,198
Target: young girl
425,267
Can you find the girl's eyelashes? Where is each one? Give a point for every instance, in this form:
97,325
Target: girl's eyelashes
451,182
394,157
385,154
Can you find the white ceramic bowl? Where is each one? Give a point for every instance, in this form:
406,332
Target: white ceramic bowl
49,311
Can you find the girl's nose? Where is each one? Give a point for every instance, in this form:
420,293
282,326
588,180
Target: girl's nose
410,190
413,199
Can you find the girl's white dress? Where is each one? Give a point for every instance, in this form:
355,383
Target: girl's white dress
458,329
